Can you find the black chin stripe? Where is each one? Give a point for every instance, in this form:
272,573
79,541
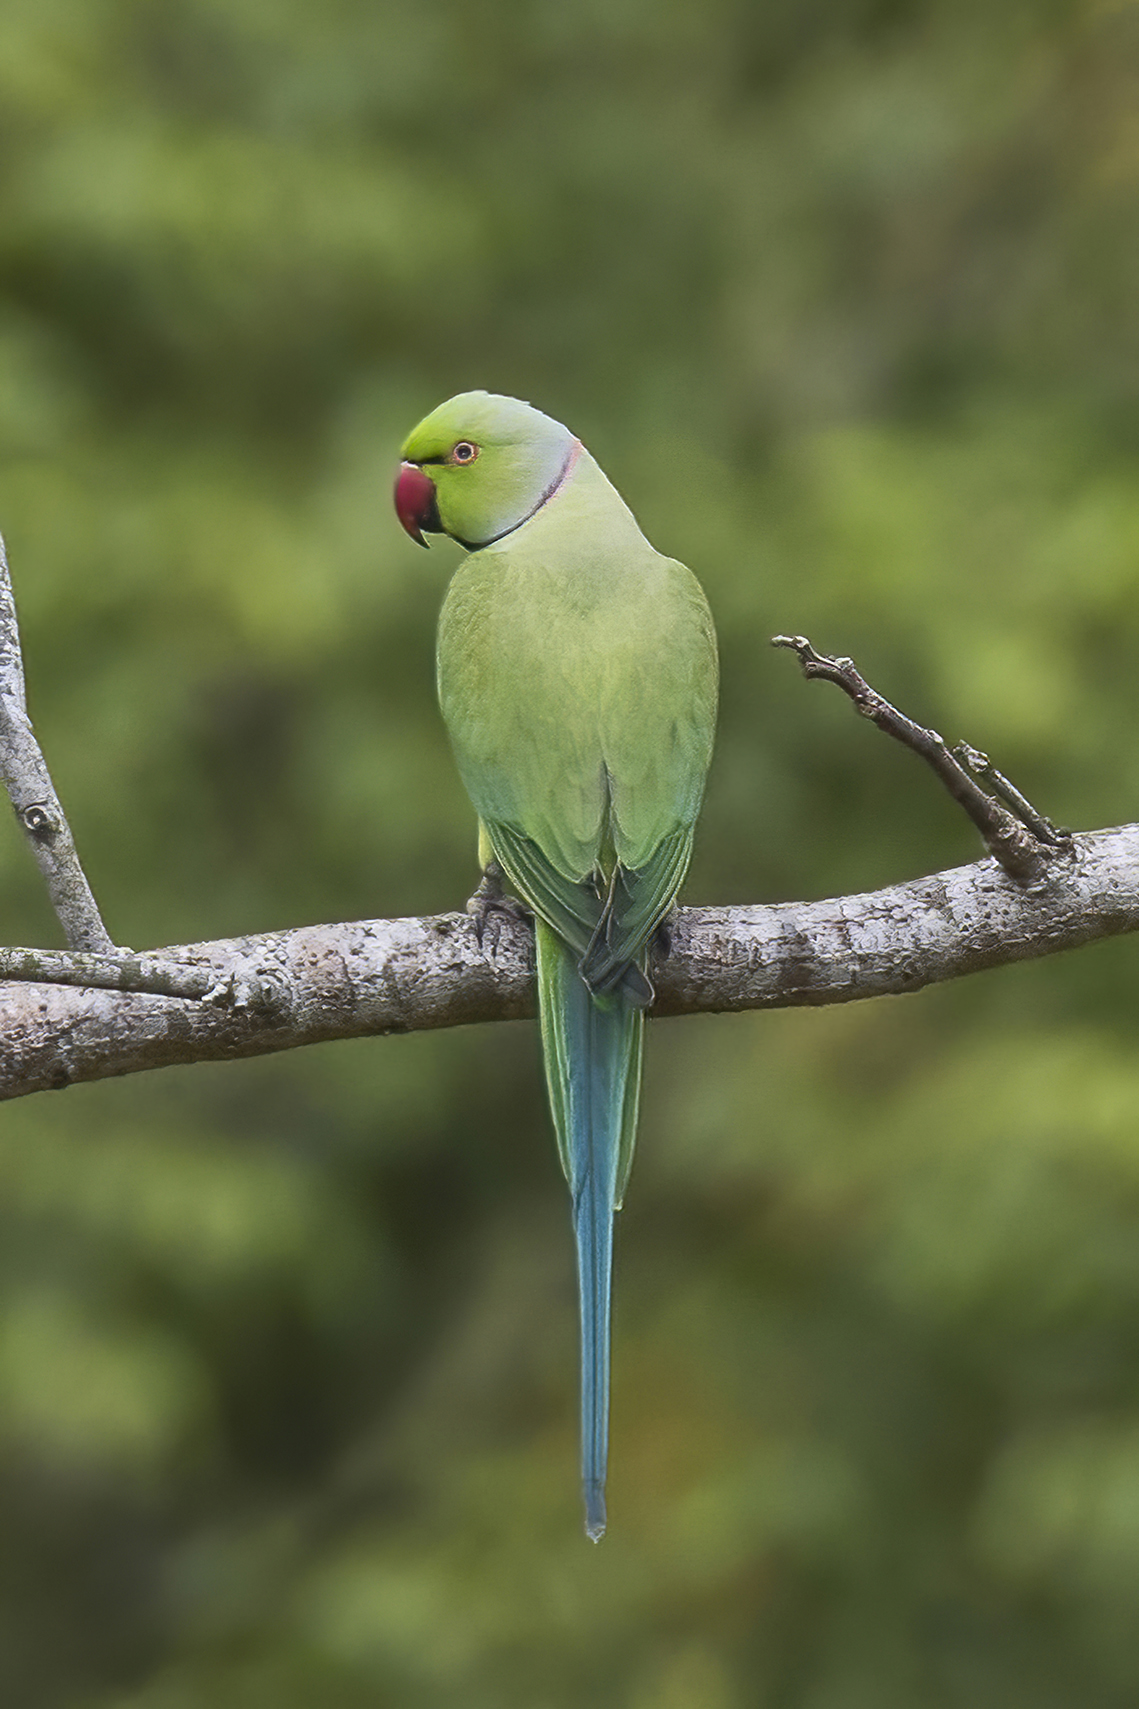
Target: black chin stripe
558,481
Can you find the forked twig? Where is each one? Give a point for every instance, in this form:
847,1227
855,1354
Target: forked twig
1015,834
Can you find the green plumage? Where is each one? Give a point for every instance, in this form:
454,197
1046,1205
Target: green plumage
577,677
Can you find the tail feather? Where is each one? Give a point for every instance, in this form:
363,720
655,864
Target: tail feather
592,1049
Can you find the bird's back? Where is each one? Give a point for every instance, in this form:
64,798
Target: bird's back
577,677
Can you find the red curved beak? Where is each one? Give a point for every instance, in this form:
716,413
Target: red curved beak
415,502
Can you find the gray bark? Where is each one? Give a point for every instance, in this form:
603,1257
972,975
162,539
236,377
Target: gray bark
70,1018
32,794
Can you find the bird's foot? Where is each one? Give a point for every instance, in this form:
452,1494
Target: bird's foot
490,905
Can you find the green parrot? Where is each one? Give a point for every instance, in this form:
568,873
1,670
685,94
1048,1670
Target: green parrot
577,677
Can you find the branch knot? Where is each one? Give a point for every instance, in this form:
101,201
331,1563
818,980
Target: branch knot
39,821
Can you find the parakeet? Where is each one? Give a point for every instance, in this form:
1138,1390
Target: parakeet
577,676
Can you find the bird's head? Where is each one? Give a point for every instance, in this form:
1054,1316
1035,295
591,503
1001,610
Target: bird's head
479,466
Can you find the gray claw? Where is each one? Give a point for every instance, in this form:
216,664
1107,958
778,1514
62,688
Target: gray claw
489,903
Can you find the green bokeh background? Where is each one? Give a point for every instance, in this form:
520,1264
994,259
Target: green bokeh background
843,296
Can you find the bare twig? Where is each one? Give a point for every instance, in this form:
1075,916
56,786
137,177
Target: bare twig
284,989
28,782
1022,841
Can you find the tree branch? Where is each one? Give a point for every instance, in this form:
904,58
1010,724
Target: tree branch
255,995
28,782
100,1012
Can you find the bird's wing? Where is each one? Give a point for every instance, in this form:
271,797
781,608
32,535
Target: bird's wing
607,924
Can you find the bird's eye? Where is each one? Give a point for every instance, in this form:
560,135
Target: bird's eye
464,452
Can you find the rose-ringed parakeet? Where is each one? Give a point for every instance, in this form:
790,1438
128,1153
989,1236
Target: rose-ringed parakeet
577,677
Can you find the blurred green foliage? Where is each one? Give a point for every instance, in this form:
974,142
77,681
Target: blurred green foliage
842,294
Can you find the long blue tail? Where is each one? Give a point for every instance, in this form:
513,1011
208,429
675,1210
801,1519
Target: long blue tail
592,1050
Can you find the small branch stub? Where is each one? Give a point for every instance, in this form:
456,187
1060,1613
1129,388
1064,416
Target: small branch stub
1042,829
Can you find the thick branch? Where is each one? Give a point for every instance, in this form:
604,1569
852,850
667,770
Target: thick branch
315,983
28,782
